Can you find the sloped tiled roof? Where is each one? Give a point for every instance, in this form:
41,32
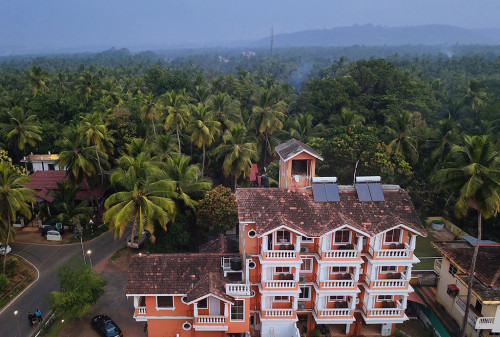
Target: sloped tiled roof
221,244
171,273
211,283
292,148
45,195
270,208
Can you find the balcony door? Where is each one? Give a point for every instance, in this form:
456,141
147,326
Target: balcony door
213,306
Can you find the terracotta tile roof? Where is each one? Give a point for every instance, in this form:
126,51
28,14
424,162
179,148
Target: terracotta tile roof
221,244
48,180
270,208
45,195
171,273
292,148
212,283
487,269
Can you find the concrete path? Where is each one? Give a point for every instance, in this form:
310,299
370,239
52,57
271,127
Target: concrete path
46,258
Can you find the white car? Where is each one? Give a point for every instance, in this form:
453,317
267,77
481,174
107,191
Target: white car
2,249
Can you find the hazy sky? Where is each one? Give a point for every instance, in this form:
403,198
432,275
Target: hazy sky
50,24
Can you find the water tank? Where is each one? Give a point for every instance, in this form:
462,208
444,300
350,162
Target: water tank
236,263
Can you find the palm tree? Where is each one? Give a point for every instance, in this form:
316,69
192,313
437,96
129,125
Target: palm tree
474,175
267,117
347,118
38,80
188,186
301,127
65,206
96,133
227,110
238,152
138,145
88,86
14,199
443,139
21,130
203,129
476,96
111,91
178,111
202,94
145,197
149,110
402,141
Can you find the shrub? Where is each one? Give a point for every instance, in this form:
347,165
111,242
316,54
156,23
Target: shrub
218,210
4,281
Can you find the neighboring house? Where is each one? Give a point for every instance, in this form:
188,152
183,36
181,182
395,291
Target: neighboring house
313,256
41,162
453,269
45,183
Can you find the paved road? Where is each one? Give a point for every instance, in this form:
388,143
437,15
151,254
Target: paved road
46,259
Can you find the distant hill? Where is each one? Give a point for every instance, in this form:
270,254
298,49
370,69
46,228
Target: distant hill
370,35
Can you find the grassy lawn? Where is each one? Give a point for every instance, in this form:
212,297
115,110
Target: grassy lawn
424,249
119,253
53,328
20,274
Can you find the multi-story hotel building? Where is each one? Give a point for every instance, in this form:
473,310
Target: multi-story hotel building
311,255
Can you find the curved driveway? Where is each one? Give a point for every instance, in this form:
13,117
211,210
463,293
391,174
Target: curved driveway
46,258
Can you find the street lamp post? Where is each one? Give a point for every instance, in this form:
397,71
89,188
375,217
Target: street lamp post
88,253
17,321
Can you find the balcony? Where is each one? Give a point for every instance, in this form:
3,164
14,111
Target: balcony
210,323
345,281
334,313
281,255
484,323
344,252
391,310
139,311
473,316
400,252
278,314
208,319
280,285
397,281
238,289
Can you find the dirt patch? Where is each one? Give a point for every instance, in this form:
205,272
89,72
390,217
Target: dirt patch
34,235
20,273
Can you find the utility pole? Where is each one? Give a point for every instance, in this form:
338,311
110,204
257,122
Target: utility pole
272,40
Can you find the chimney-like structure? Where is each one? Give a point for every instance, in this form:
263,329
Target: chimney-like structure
297,164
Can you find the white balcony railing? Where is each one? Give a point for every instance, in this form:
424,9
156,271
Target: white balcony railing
279,313
398,311
472,319
337,284
340,254
238,289
401,283
208,319
333,313
280,284
141,310
484,323
405,253
437,264
280,254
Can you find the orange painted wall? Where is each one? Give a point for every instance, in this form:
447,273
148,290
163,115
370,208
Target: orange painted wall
240,327
254,274
251,244
162,328
181,309
286,168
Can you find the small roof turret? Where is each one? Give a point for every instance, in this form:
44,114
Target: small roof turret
293,147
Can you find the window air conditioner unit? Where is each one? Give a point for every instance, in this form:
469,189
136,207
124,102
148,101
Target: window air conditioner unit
302,278
301,305
304,249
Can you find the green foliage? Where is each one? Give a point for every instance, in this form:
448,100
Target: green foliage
218,210
80,287
175,239
4,282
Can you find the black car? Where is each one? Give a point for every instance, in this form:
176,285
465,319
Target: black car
105,326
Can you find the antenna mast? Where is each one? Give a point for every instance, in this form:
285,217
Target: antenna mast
272,40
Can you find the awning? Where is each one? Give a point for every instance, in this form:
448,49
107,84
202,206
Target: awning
452,287
415,298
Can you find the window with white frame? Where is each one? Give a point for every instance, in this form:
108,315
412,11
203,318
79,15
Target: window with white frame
305,293
281,298
238,310
388,269
283,236
342,236
381,298
282,270
307,239
393,236
203,304
165,302
307,265
336,298
339,270
452,269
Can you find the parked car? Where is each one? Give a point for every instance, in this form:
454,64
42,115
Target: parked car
51,228
2,249
105,326
138,242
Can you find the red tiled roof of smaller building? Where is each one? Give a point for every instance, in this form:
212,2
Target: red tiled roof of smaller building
45,195
48,180
170,273
293,147
221,244
271,208
211,283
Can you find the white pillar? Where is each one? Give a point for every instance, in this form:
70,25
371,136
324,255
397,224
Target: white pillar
377,242
226,311
295,302
360,244
413,242
196,310
353,302
356,273
404,302
263,305
369,305
373,273
264,243
408,273
298,242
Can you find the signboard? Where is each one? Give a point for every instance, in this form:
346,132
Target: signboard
59,225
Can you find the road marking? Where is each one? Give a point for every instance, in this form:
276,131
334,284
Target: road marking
37,277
